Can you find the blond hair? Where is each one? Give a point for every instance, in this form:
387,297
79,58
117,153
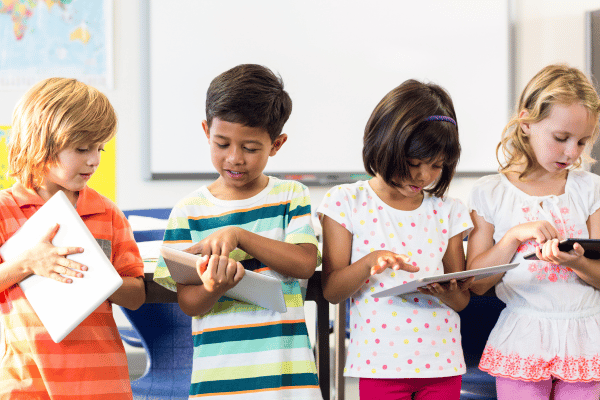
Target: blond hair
554,84
54,114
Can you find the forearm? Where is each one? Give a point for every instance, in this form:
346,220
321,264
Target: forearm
340,284
500,253
295,260
131,294
195,300
589,271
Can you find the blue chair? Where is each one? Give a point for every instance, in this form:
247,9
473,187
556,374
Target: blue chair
477,321
130,335
164,332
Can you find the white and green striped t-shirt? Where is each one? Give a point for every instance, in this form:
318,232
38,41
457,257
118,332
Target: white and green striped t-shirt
242,350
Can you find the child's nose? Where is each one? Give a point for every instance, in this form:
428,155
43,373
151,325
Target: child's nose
234,156
94,158
572,150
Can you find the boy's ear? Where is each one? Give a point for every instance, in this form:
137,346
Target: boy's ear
277,143
206,130
524,125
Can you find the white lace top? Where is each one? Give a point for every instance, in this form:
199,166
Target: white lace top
551,324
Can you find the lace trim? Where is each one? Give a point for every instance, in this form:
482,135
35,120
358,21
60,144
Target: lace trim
535,368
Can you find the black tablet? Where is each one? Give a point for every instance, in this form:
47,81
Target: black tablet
591,247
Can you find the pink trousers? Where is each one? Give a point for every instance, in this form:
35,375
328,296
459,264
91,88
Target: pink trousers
510,389
447,388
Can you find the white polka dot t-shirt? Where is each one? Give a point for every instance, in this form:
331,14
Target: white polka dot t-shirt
409,336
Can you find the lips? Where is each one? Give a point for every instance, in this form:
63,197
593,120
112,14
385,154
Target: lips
234,174
562,165
415,188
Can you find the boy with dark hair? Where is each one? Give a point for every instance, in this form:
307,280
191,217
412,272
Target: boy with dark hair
243,350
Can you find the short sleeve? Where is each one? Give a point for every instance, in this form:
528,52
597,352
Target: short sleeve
299,223
125,253
460,220
336,206
594,193
177,235
480,199
299,219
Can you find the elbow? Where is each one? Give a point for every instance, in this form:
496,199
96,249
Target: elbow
138,299
331,297
307,273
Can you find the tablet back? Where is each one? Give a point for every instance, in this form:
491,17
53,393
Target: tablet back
254,288
62,306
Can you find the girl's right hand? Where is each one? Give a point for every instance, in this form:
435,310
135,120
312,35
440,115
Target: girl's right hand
540,231
45,259
394,261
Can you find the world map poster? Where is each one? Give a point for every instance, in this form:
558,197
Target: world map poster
46,38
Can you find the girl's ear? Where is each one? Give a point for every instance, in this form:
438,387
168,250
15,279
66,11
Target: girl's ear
277,143
524,125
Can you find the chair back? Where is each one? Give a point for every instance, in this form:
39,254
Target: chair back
165,333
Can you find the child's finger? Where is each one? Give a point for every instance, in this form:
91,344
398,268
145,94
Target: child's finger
196,248
202,264
70,267
578,250
409,267
231,269
239,273
212,266
58,277
50,234
60,269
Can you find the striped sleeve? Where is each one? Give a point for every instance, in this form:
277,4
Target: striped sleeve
177,235
299,218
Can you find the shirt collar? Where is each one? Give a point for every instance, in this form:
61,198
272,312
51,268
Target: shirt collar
88,203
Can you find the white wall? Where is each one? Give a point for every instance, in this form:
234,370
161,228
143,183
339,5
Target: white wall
546,31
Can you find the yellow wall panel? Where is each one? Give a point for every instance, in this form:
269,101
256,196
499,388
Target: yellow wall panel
103,181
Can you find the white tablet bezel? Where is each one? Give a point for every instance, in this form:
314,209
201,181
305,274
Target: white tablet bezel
411,287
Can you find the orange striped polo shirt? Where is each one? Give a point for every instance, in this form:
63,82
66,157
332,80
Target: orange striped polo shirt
90,363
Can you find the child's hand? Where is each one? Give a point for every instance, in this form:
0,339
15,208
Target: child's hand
540,231
549,252
220,243
394,261
220,273
441,290
44,259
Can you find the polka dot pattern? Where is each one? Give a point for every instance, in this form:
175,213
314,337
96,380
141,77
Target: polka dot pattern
408,336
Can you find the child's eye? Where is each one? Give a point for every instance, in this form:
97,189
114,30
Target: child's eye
560,139
250,150
82,150
221,145
413,164
437,166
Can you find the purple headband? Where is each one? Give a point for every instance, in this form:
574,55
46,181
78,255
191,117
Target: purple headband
440,118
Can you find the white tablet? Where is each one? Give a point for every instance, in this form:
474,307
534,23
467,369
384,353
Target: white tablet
254,288
412,286
63,306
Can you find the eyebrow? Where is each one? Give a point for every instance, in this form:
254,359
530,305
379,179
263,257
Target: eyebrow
245,141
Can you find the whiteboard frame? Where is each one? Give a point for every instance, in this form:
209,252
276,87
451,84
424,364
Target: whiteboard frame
326,178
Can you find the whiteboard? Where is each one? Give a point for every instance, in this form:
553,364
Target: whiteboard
337,58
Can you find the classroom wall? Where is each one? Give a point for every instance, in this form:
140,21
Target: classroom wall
545,31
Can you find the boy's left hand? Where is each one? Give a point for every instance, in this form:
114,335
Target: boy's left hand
549,252
220,243
441,290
